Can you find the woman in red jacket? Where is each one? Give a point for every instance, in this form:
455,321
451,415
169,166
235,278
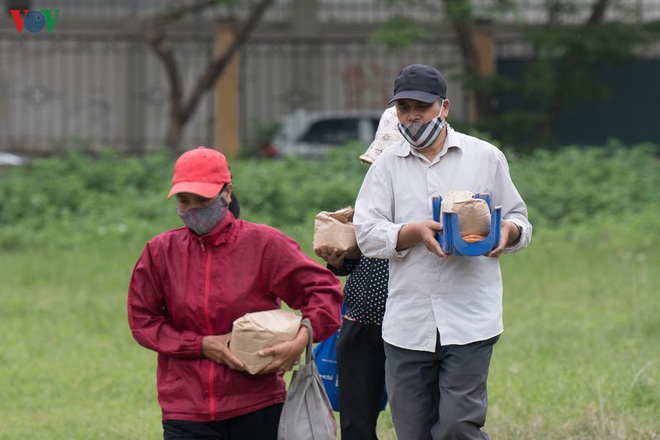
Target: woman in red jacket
191,283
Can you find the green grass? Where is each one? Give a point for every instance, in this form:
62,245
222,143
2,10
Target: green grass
579,358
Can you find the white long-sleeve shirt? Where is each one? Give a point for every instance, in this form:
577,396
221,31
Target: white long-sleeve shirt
459,297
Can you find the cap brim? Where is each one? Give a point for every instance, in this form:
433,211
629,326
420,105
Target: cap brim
365,158
373,151
206,190
416,95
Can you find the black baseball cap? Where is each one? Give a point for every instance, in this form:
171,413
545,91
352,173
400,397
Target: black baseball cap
419,82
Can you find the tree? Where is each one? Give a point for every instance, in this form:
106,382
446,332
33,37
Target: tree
400,31
181,108
564,69
560,70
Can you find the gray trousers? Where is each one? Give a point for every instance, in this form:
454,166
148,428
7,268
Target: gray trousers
440,395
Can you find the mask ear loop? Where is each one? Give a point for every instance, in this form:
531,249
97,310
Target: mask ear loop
222,191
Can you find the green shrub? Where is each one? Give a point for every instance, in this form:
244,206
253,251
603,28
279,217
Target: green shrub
67,200
74,198
575,185
290,191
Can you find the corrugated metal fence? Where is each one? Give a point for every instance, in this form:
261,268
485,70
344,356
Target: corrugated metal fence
91,91
94,89
366,11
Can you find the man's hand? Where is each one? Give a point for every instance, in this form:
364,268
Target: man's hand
286,354
425,232
217,349
509,235
333,256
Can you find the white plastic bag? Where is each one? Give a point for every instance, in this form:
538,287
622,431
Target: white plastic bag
307,413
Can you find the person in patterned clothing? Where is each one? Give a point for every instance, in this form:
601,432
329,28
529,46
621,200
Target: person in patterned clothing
360,352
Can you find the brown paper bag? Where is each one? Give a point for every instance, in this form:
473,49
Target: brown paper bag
473,214
336,230
254,331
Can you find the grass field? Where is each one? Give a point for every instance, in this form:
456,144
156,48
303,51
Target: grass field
579,359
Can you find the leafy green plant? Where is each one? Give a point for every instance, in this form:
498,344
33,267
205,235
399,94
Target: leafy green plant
580,304
575,185
574,361
63,201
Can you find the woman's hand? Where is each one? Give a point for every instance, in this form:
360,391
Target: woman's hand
287,354
333,256
216,348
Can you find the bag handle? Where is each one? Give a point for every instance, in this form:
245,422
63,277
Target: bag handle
309,355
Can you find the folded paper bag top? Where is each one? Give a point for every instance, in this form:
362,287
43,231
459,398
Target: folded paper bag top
336,230
473,214
254,331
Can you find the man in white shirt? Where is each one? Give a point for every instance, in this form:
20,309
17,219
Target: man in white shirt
443,313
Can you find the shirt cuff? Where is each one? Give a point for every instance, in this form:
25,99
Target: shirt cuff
523,240
393,239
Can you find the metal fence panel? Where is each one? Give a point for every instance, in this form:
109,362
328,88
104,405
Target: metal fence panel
92,91
362,11
280,76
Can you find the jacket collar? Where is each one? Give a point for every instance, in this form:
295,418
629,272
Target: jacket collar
221,234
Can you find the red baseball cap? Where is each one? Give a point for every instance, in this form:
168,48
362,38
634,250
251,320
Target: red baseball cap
202,171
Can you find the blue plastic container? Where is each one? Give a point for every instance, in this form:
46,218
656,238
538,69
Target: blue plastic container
450,238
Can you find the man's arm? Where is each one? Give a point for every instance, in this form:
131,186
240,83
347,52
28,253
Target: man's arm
420,232
510,235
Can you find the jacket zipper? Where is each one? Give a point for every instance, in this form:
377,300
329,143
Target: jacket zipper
209,328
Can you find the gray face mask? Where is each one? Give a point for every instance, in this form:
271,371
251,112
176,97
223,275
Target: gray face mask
202,220
422,135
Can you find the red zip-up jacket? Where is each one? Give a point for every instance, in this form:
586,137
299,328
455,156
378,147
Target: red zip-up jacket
185,287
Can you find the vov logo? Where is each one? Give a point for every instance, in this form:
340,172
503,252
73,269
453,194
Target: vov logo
34,21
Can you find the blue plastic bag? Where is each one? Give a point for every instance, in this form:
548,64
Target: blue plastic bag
325,356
